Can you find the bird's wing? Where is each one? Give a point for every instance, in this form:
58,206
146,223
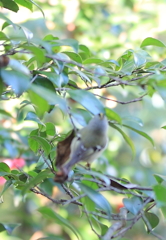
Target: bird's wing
80,153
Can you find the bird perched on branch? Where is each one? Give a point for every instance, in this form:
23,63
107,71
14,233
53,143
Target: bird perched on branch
87,145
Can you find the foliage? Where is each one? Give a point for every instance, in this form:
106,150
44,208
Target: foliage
60,77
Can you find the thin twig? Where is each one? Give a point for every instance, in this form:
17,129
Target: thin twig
113,100
90,222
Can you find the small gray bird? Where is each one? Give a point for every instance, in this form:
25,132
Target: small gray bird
87,146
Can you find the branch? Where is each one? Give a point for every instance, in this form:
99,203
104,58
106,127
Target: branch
117,225
113,100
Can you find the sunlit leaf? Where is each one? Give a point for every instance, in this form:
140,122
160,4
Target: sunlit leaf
67,42
3,36
160,195
50,129
4,167
37,179
92,60
43,143
25,3
74,56
160,178
152,42
50,96
111,115
38,52
40,104
85,50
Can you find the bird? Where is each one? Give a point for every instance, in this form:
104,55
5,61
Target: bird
86,146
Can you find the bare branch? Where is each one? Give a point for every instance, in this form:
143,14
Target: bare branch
113,100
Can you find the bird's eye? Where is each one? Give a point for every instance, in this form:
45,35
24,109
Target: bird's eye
101,115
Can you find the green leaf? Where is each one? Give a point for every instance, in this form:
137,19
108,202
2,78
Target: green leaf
67,42
85,50
51,97
160,195
152,219
3,36
34,146
92,60
164,127
41,164
133,119
7,19
6,186
4,167
2,228
51,238
82,75
2,111
143,134
163,209
11,5
87,100
47,186
160,178
43,143
17,66
134,204
139,58
38,53
96,174
126,138
74,56
50,129
25,3
128,67
57,218
97,198
9,227
41,105
38,7
37,179
6,24
152,42
55,78
17,80
111,115
33,117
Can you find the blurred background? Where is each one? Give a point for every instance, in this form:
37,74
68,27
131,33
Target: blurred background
108,28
